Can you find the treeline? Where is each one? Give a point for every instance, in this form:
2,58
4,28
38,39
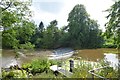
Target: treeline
22,33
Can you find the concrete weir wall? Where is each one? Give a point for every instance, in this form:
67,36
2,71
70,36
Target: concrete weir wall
61,53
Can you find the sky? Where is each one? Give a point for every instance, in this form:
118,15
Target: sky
49,10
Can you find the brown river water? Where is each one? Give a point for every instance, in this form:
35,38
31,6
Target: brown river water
8,56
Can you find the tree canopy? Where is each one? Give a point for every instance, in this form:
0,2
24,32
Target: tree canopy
18,28
83,31
20,32
113,25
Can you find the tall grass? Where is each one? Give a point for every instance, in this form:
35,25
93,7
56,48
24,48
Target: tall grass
81,71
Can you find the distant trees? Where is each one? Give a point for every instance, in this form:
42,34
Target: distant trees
113,26
36,39
21,33
51,36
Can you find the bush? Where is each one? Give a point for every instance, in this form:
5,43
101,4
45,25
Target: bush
109,46
40,65
14,74
53,62
26,66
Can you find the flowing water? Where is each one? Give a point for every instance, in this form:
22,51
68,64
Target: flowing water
8,56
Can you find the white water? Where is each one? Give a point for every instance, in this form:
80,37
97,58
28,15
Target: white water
21,54
112,58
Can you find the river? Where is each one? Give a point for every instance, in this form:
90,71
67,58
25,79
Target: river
8,56
94,55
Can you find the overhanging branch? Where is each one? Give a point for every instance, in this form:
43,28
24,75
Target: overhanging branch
7,6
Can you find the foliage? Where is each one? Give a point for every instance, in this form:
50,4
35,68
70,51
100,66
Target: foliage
83,67
83,32
14,74
113,26
108,72
9,39
21,33
26,66
17,25
64,37
51,36
36,39
16,13
53,62
109,43
41,26
27,45
18,37
40,69
50,74
37,66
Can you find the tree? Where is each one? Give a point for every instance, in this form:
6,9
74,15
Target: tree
37,37
64,37
113,26
41,26
51,36
15,13
95,39
77,26
25,33
83,32
18,28
9,39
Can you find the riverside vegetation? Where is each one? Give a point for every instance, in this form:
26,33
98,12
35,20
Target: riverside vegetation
82,32
40,68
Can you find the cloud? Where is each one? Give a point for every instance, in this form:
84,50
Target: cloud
51,7
48,10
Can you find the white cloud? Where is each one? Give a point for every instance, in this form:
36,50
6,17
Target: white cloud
93,7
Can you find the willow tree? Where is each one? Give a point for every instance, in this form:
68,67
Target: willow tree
113,25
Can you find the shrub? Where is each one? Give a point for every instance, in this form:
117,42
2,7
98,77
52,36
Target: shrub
14,74
40,65
26,66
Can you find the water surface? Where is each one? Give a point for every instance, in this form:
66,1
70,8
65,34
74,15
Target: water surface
100,54
8,56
